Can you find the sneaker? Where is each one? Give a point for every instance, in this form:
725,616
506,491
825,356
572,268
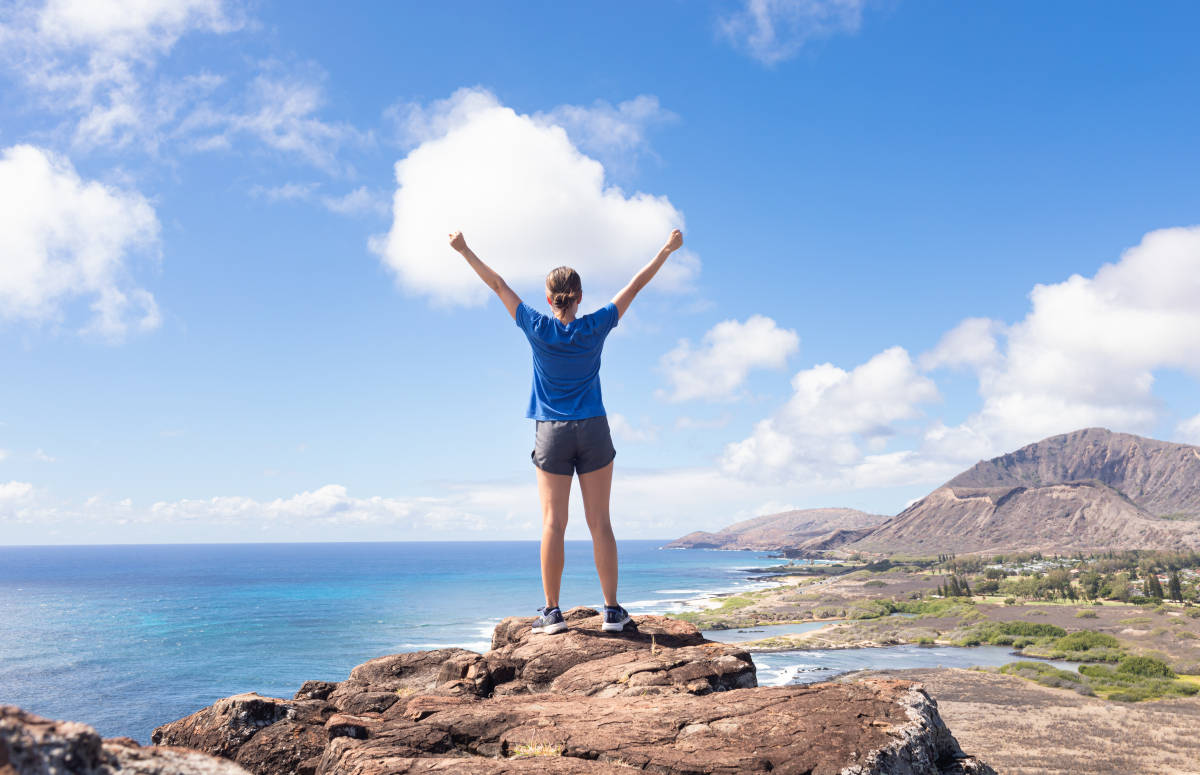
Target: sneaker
615,618
550,621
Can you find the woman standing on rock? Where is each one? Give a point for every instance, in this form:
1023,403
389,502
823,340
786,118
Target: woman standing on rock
572,429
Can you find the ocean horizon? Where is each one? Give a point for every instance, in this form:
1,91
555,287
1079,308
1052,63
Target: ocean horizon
125,637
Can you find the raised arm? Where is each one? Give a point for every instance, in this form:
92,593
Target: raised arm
487,274
639,281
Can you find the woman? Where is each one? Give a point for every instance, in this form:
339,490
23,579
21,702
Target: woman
572,429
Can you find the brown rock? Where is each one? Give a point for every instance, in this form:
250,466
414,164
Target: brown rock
31,744
657,697
659,651
264,734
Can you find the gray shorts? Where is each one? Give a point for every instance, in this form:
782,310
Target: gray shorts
573,446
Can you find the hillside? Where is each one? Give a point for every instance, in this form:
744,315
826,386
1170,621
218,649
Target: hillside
775,532
1090,490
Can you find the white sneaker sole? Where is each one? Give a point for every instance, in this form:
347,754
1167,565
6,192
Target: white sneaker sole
616,626
550,629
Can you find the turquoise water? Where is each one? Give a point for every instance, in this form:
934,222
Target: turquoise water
128,637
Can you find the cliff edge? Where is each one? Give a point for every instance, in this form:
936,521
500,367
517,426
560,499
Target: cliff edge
658,697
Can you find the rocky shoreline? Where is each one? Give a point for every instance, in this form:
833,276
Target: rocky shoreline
658,697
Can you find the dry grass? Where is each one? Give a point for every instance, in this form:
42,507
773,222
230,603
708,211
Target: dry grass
1021,728
530,750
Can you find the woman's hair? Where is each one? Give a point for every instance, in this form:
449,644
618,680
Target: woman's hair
564,287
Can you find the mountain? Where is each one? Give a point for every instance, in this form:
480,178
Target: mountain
1090,490
776,532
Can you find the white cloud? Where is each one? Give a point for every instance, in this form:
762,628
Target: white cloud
128,27
527,200
13,492
64,238
94,60
1086,353
615,135
41,456
718,368
819,434
774,30
360,201
285,192
280,110
3,454
1188,431
972,343
623,430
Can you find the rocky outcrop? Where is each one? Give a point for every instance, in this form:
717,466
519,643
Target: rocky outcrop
32,745
657,697
778,532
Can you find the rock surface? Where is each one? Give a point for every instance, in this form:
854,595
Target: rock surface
657,697
776,532
32,745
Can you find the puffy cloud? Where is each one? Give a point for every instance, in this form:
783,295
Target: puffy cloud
972,343
774,30
122,26
64,238
1086,353
729,350
820,433
12,492
525,197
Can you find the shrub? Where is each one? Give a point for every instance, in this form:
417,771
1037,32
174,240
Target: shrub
1142,600
1085,614
1146,667
875,583
1032,629
1010,601
1085,640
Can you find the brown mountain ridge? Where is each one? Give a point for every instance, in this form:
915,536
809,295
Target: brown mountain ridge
1086,491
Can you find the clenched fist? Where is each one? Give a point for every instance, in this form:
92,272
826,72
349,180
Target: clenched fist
675,241
458,242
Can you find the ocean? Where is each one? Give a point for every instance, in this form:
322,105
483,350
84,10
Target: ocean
125,638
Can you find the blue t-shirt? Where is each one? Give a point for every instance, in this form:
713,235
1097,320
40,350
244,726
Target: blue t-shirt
566,362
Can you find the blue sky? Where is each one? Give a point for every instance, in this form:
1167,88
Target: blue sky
917,235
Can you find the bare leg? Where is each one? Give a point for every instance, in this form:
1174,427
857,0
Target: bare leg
596,487
555,492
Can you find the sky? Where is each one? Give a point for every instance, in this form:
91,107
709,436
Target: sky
918,234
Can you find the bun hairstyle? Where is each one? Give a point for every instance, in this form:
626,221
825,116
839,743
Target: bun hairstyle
563,287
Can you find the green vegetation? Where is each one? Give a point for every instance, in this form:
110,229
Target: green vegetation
1085,614
1133,680
1048,675
1016,634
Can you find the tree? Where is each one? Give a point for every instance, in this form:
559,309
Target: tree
1174,587
1153,586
